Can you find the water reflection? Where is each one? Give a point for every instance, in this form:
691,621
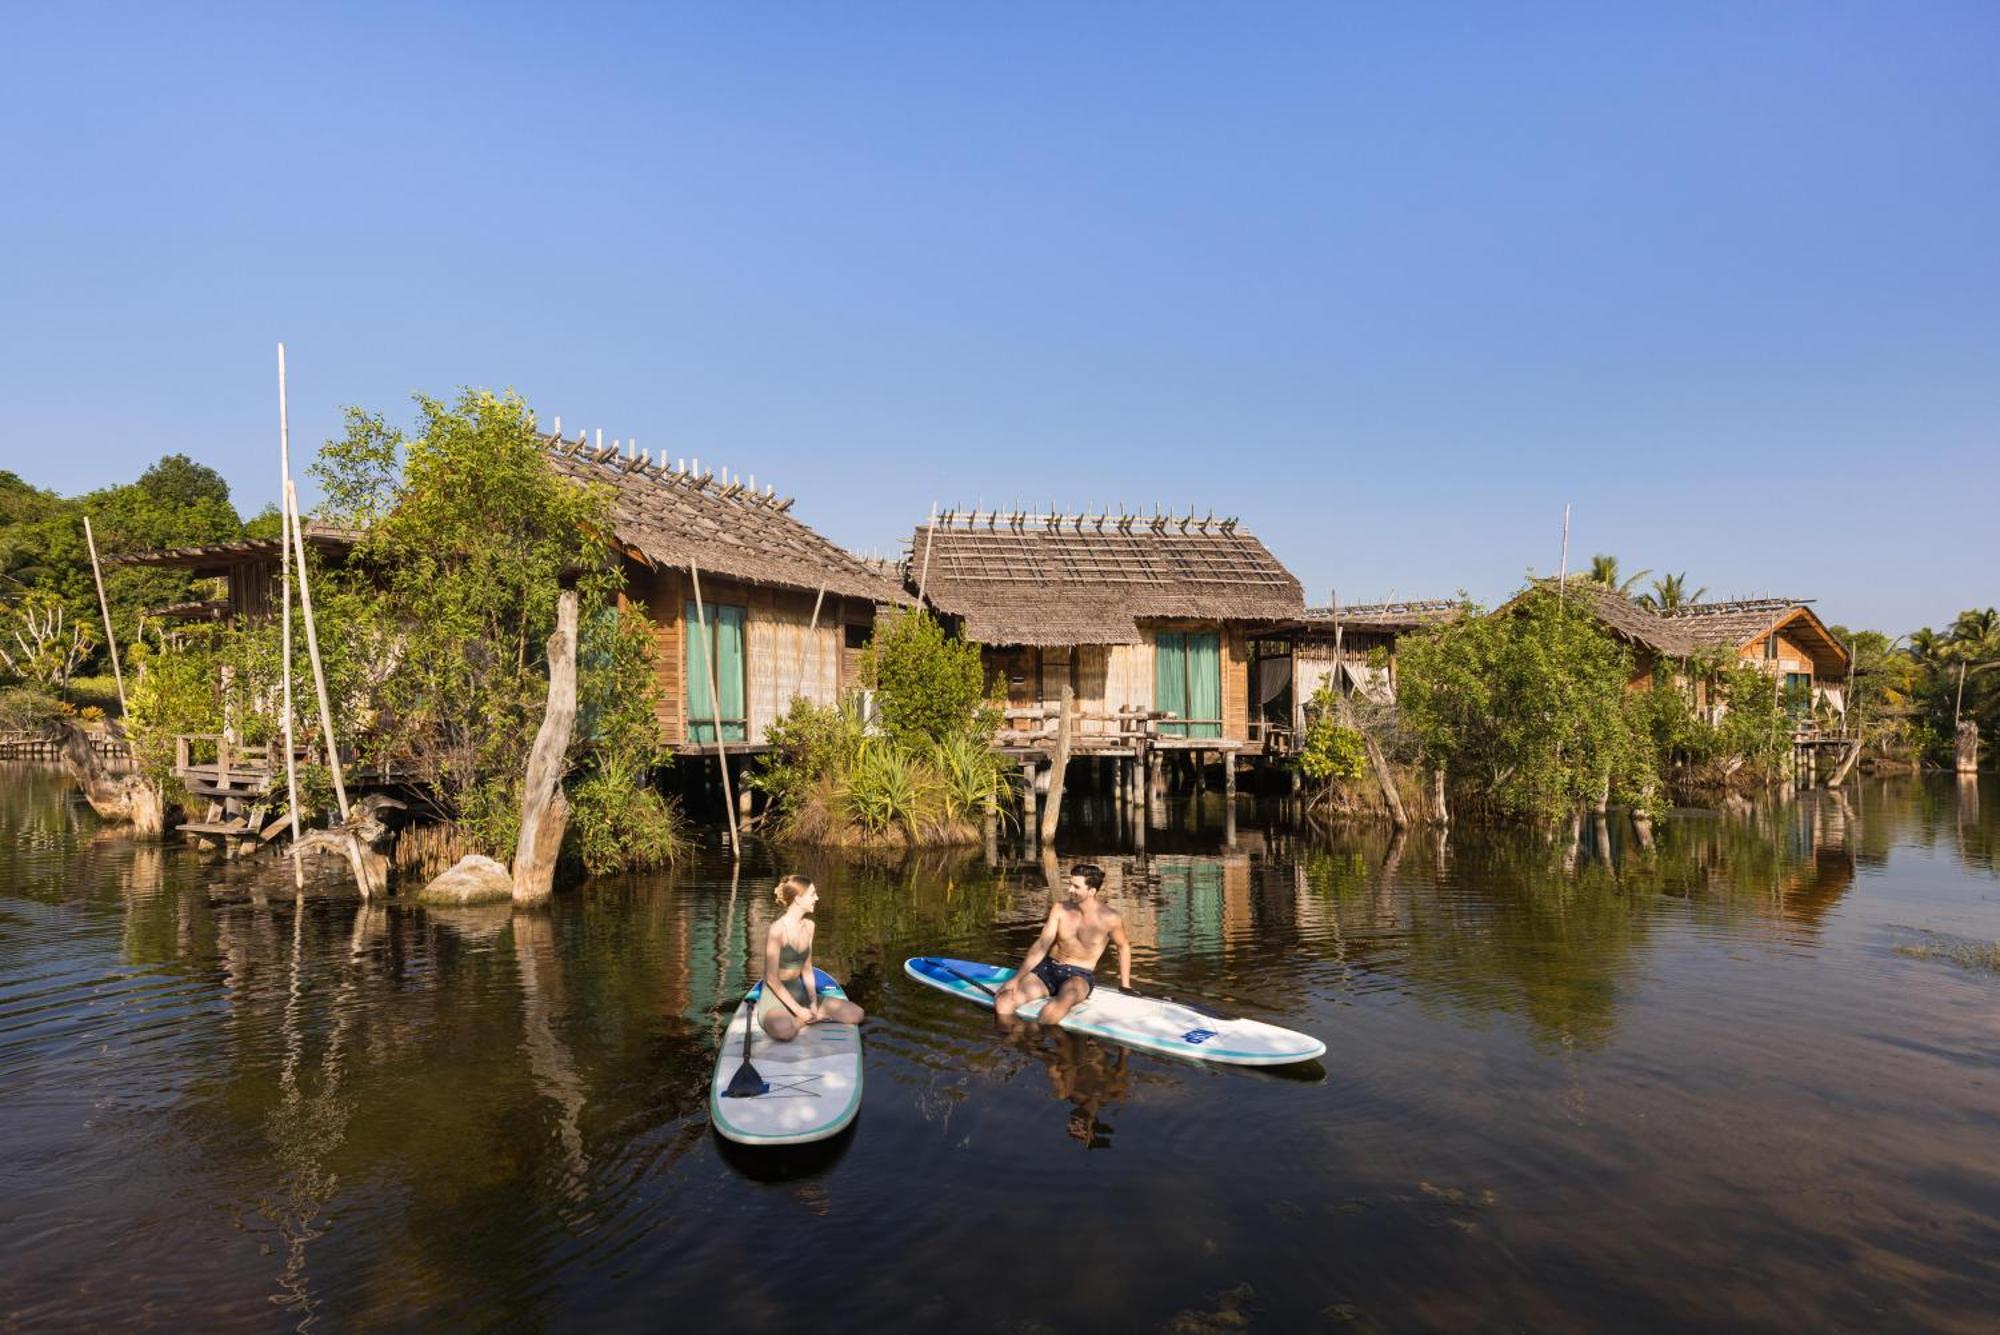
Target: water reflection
1591,1082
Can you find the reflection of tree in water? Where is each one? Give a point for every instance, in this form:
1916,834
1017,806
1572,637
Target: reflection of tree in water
1509,921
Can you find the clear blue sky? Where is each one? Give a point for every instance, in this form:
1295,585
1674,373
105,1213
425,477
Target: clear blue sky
1392,283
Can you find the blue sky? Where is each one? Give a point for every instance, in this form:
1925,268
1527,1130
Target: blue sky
1393,283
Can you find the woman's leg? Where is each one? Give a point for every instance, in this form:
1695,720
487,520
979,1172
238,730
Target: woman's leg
777,1021
841,1009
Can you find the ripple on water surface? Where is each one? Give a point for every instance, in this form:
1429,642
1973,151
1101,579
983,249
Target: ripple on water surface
1692,1086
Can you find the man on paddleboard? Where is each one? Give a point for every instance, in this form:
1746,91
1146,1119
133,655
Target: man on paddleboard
1061,963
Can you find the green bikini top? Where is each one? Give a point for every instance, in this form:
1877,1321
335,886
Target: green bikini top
789,958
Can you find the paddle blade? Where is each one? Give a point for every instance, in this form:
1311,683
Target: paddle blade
746,1083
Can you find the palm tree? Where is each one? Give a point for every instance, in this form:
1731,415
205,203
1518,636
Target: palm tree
1604,570
1669,592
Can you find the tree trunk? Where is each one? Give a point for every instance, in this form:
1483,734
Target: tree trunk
114,797
1065,731
1846,765
1439,807
1967,747
544,809
1380,764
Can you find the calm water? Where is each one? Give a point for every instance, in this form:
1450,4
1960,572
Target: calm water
1734,1081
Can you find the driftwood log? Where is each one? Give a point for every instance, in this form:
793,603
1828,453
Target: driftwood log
361,841
544,809
114,797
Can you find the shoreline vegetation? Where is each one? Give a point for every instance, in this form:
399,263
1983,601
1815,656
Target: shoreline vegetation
435,629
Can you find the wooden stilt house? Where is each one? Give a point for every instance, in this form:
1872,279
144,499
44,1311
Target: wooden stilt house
247,571
1133,613
752,607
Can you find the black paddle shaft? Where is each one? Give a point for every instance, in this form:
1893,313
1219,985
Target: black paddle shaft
746,1083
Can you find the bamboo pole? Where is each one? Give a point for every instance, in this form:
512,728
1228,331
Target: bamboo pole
285,582
104,606
1562,580
312,650
805,650
923,576
354,857
715,710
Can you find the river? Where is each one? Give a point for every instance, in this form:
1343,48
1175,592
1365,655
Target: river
1745,1079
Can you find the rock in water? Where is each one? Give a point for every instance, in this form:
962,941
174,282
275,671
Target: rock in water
475,879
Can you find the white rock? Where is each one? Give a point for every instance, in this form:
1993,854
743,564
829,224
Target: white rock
476,879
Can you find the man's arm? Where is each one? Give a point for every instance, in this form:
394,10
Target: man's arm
1124,953
1040,950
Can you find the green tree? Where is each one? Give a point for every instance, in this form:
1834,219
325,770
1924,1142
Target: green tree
1670,591
1604,570
449,599
929,685
1527,710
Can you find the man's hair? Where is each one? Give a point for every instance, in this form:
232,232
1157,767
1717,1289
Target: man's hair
1092,874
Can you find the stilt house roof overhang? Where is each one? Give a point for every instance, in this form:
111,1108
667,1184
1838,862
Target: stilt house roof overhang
670,516
1063,579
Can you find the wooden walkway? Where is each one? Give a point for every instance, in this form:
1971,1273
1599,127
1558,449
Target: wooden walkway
28,745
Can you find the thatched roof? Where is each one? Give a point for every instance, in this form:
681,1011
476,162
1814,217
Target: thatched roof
1391,618
670,516
1733,625
1684,631
1088,579
214,559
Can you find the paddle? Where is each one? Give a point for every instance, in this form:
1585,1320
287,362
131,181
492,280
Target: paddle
963,979
746,1083
1183,1002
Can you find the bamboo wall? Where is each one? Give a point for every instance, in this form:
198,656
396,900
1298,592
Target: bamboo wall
1109,677
784,655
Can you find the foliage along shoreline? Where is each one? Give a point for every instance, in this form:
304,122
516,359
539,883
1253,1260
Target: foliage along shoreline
433,631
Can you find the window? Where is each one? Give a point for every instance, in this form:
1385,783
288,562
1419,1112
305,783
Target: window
715,653
859,636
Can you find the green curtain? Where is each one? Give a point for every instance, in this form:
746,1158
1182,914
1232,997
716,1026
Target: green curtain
1187,679
1170,680
721,636
1204,679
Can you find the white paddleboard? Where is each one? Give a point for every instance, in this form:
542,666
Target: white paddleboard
812,1085
1150,1023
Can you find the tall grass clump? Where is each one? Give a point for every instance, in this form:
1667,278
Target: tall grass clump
921,773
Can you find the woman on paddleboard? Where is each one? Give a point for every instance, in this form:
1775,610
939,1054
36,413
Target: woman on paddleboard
790,1000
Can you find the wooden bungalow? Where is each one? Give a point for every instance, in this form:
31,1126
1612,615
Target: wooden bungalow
1780,636
1146,617
751,607
1352,647
248,570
